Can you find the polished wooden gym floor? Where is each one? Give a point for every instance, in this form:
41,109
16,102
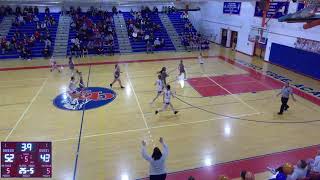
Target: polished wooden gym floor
201,134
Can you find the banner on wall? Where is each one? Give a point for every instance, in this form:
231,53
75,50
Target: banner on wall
231,7
276,9
308,45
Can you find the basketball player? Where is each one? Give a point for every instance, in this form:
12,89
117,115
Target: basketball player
182,70
167,100
200,58
81,83
117,76
72,91
53,64
286,91
159,85
71,64
164,75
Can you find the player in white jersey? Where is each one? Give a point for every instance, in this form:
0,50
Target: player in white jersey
72,90
167,100
200,58
159,84
53,64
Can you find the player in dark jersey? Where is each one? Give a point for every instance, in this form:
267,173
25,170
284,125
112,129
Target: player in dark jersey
117,76
164,75
182,70
71,63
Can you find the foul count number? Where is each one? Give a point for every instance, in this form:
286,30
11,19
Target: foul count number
26,147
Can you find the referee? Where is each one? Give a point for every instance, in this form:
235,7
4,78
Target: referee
286,91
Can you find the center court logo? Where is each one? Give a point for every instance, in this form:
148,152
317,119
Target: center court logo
91,98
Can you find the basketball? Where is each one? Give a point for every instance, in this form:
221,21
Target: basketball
288,168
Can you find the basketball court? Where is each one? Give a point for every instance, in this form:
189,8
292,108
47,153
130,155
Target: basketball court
227,112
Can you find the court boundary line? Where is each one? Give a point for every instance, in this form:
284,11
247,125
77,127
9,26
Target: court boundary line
27,108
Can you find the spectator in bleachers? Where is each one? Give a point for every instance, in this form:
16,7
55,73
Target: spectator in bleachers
35,19
315,163
84,50
110,48
157,161
156,43
26,53
36,10
43,26
3,45
8,10
47,43
46,52
2,11
247,175
18,10
47,10
114,10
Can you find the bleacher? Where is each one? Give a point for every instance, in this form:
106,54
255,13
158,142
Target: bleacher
29,28
179,22
140,45
95,19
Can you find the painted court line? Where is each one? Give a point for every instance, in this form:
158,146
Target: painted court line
104,63
154,127
234,95
138,102
27,109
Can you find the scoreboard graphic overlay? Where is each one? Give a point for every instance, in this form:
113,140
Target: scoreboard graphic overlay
26,160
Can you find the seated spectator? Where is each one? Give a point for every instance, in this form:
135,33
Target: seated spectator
43,26
26,53
20,20
110,48
47,43
289,172
52,20
300,171
46,52
37,35
84,50
247,175
3,45
315,164
157,43
35,19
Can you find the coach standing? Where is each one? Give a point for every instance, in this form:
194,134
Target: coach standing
286,91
